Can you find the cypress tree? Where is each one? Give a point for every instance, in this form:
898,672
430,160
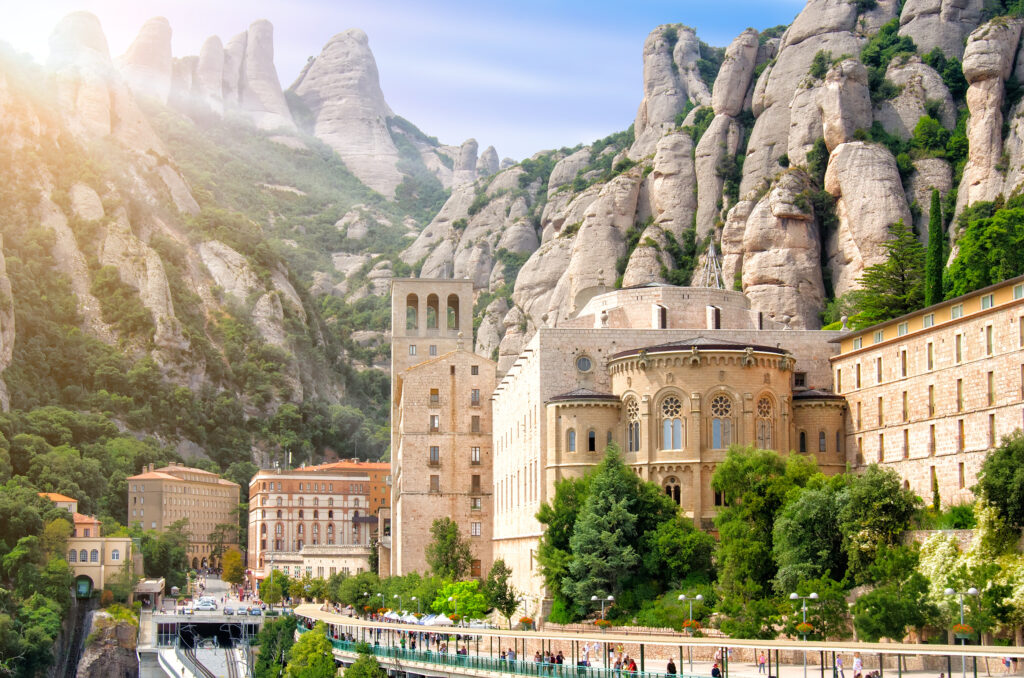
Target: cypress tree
933,263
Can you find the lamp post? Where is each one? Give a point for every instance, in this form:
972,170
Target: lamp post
698,598
803,609
417,604
400,599
609,600
963,641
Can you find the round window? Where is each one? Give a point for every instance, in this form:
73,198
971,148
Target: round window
583,363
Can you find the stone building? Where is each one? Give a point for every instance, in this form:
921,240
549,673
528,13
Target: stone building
930,393
441,430
311,519
160,497
94,559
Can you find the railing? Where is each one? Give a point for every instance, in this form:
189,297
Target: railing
518,667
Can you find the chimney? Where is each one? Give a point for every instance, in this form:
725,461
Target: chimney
150,466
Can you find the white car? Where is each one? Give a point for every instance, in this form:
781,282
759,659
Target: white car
206,606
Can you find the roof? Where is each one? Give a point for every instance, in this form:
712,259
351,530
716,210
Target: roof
82,518
54,497
352,465
700,343
163,474
583,394
150,586
154,475
816,394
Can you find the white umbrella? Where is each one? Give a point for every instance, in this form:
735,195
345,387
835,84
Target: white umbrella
391,615
441,620
428,620
410,619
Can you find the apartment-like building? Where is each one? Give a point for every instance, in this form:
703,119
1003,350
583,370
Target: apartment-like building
441,424
930,393
316,520
159,497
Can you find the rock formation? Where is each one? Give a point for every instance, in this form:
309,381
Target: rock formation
146,65
940,23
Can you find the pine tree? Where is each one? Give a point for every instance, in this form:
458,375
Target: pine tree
933,262
895,286
448,553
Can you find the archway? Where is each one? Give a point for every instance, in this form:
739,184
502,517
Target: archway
83,586
195,563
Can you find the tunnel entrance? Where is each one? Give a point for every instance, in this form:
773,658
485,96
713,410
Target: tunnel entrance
197,635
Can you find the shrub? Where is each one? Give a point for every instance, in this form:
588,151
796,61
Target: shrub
951,70
930,136
820,64
879,52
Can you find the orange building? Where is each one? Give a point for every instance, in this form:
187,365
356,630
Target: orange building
377,471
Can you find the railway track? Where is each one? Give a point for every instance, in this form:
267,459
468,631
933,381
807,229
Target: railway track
190,653
232,663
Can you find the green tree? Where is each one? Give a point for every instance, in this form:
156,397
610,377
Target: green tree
448,553
991,248
681,552
895,286
312,655
604,538
273,587
232,569
559,519
466,600
165,554
500,593
365,666
899,602
275,640
222,536
55,536
934,264
55,581
807,540
829,615
1001,480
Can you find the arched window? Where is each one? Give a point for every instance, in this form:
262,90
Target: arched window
671,424
72,556
330,515
453,312
94,556
278,529
301,529
316,501
721,424
300,514
412,312
632,425
279,499
302,501
263,528
316,529
672,488
278,513
765,423
432,312
83,556
316,514
115,554
821,441
803,442
330,501
571,445
591,441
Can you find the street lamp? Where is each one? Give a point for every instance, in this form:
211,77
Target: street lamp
400,599
963,641
698,598
609,600
803,610
417,604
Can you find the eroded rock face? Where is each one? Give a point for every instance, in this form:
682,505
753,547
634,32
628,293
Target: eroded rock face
670,184
734,77
565,170
208,81
341,88
866,183
465,164
260,93
488,163
721,139
940,23
146,65
645,262
919,84
928,173
229,269
845,102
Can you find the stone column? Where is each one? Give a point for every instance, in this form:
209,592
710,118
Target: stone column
748,420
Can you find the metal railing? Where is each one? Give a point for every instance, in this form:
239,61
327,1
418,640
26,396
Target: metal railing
518,667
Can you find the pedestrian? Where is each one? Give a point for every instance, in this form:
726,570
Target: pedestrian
671,668
839,667
715,671
618,664
761,661
858,665
586,654
1006,665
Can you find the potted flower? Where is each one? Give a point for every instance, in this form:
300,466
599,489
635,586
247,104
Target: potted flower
803,628
526,623
691,626
962,631
602,624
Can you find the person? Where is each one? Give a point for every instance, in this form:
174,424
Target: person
560,659
617,666
715,671
761,661
839,667
586,654
671,668
632,665
1006,665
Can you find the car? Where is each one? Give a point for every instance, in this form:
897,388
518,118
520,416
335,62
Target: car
229,610
256,612
206,606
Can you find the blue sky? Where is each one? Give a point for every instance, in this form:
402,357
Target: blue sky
522,76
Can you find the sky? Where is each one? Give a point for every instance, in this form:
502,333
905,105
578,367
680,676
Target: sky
522,76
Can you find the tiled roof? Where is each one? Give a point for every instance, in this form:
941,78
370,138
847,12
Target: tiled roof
584,394
54,497
154,475
82,518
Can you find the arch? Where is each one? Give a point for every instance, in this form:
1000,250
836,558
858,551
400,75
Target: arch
412,312
72,556
672,489
764,428
83,556
632,425
670,409
279,513
115,554
195,563
591,441
822,442
571,440
722,412
330,515
94,556
263,528
803,442
83,586
432,311
300,514
316,514
452,314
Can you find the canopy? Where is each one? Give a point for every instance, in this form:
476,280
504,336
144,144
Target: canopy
441,620
392,615
410,619
428,620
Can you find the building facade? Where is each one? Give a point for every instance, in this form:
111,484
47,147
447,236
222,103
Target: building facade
315,509
932,392
159,497
94,559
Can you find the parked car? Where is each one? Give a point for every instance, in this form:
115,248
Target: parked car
229,610
206,606
256,612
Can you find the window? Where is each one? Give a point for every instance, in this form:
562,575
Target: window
764,426
671,424
1018,291
571,445
474,397
474,370
860,418
881,447
721,424
583,363
879,336
928,320
991,388
992,430
958,350
857,375
987,302
956,312
839,442
931,439
435,454
903,363
633,424
474,486
803,442
799,380
435,483
902,329
474,529
475,503
960,442
88,530
906,443
930,351
821,441
860,450
474,424
857,343
432,350
591,441
988,340
931,400
435,397
435,423
412,349
72,556
839,381
474,455
959,395
881,412
906,406
960,470
115,554
83,556
878,370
